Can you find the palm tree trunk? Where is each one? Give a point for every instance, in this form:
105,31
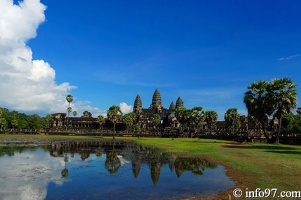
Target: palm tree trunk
279,130
114,131
269,140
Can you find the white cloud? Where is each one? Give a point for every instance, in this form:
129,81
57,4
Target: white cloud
125,108
289,57
27,84
81,106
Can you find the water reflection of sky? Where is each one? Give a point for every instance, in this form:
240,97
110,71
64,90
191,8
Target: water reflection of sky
37,175
26,175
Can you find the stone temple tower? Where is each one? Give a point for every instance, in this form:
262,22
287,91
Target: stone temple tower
179,103
137,104
156,101
172,106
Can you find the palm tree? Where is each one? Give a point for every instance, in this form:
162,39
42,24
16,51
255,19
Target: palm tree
129,120
283,94
100,119
3,123
183,115
258,104
65,171
112,163
210,119
196,118
232,119
69,110
114,114
69,99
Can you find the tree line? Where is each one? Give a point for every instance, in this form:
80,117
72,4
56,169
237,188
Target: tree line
15,120
265,102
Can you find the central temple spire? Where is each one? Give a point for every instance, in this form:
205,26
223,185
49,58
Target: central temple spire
156,101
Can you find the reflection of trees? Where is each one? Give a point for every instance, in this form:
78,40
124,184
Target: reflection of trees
137,154
11,150
99,152
65,171
196,165
84,155
112,163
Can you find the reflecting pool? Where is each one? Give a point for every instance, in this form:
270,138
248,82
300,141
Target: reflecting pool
111,170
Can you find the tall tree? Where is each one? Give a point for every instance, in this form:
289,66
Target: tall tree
100,120
129,120
3,123
232,119
182,115
2,119
211,119
258,104
114,114
69,99
264,99
196,118
190,118
291,123
283,95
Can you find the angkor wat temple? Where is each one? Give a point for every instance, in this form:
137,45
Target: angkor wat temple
144,115
168,125
62,121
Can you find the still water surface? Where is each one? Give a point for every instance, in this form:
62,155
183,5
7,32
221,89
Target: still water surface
123,171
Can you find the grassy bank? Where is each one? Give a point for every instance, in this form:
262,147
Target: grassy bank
251,165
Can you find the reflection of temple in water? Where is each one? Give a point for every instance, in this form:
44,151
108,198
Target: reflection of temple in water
85,148
137,155
155,171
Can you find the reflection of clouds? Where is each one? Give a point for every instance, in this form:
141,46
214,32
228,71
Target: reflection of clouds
123,160
27,175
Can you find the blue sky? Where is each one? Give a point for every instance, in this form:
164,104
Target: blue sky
206,52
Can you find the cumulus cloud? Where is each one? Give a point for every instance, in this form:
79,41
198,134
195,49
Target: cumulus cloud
26,84
81,106
125,108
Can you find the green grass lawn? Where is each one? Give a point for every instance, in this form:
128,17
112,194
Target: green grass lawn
251,165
